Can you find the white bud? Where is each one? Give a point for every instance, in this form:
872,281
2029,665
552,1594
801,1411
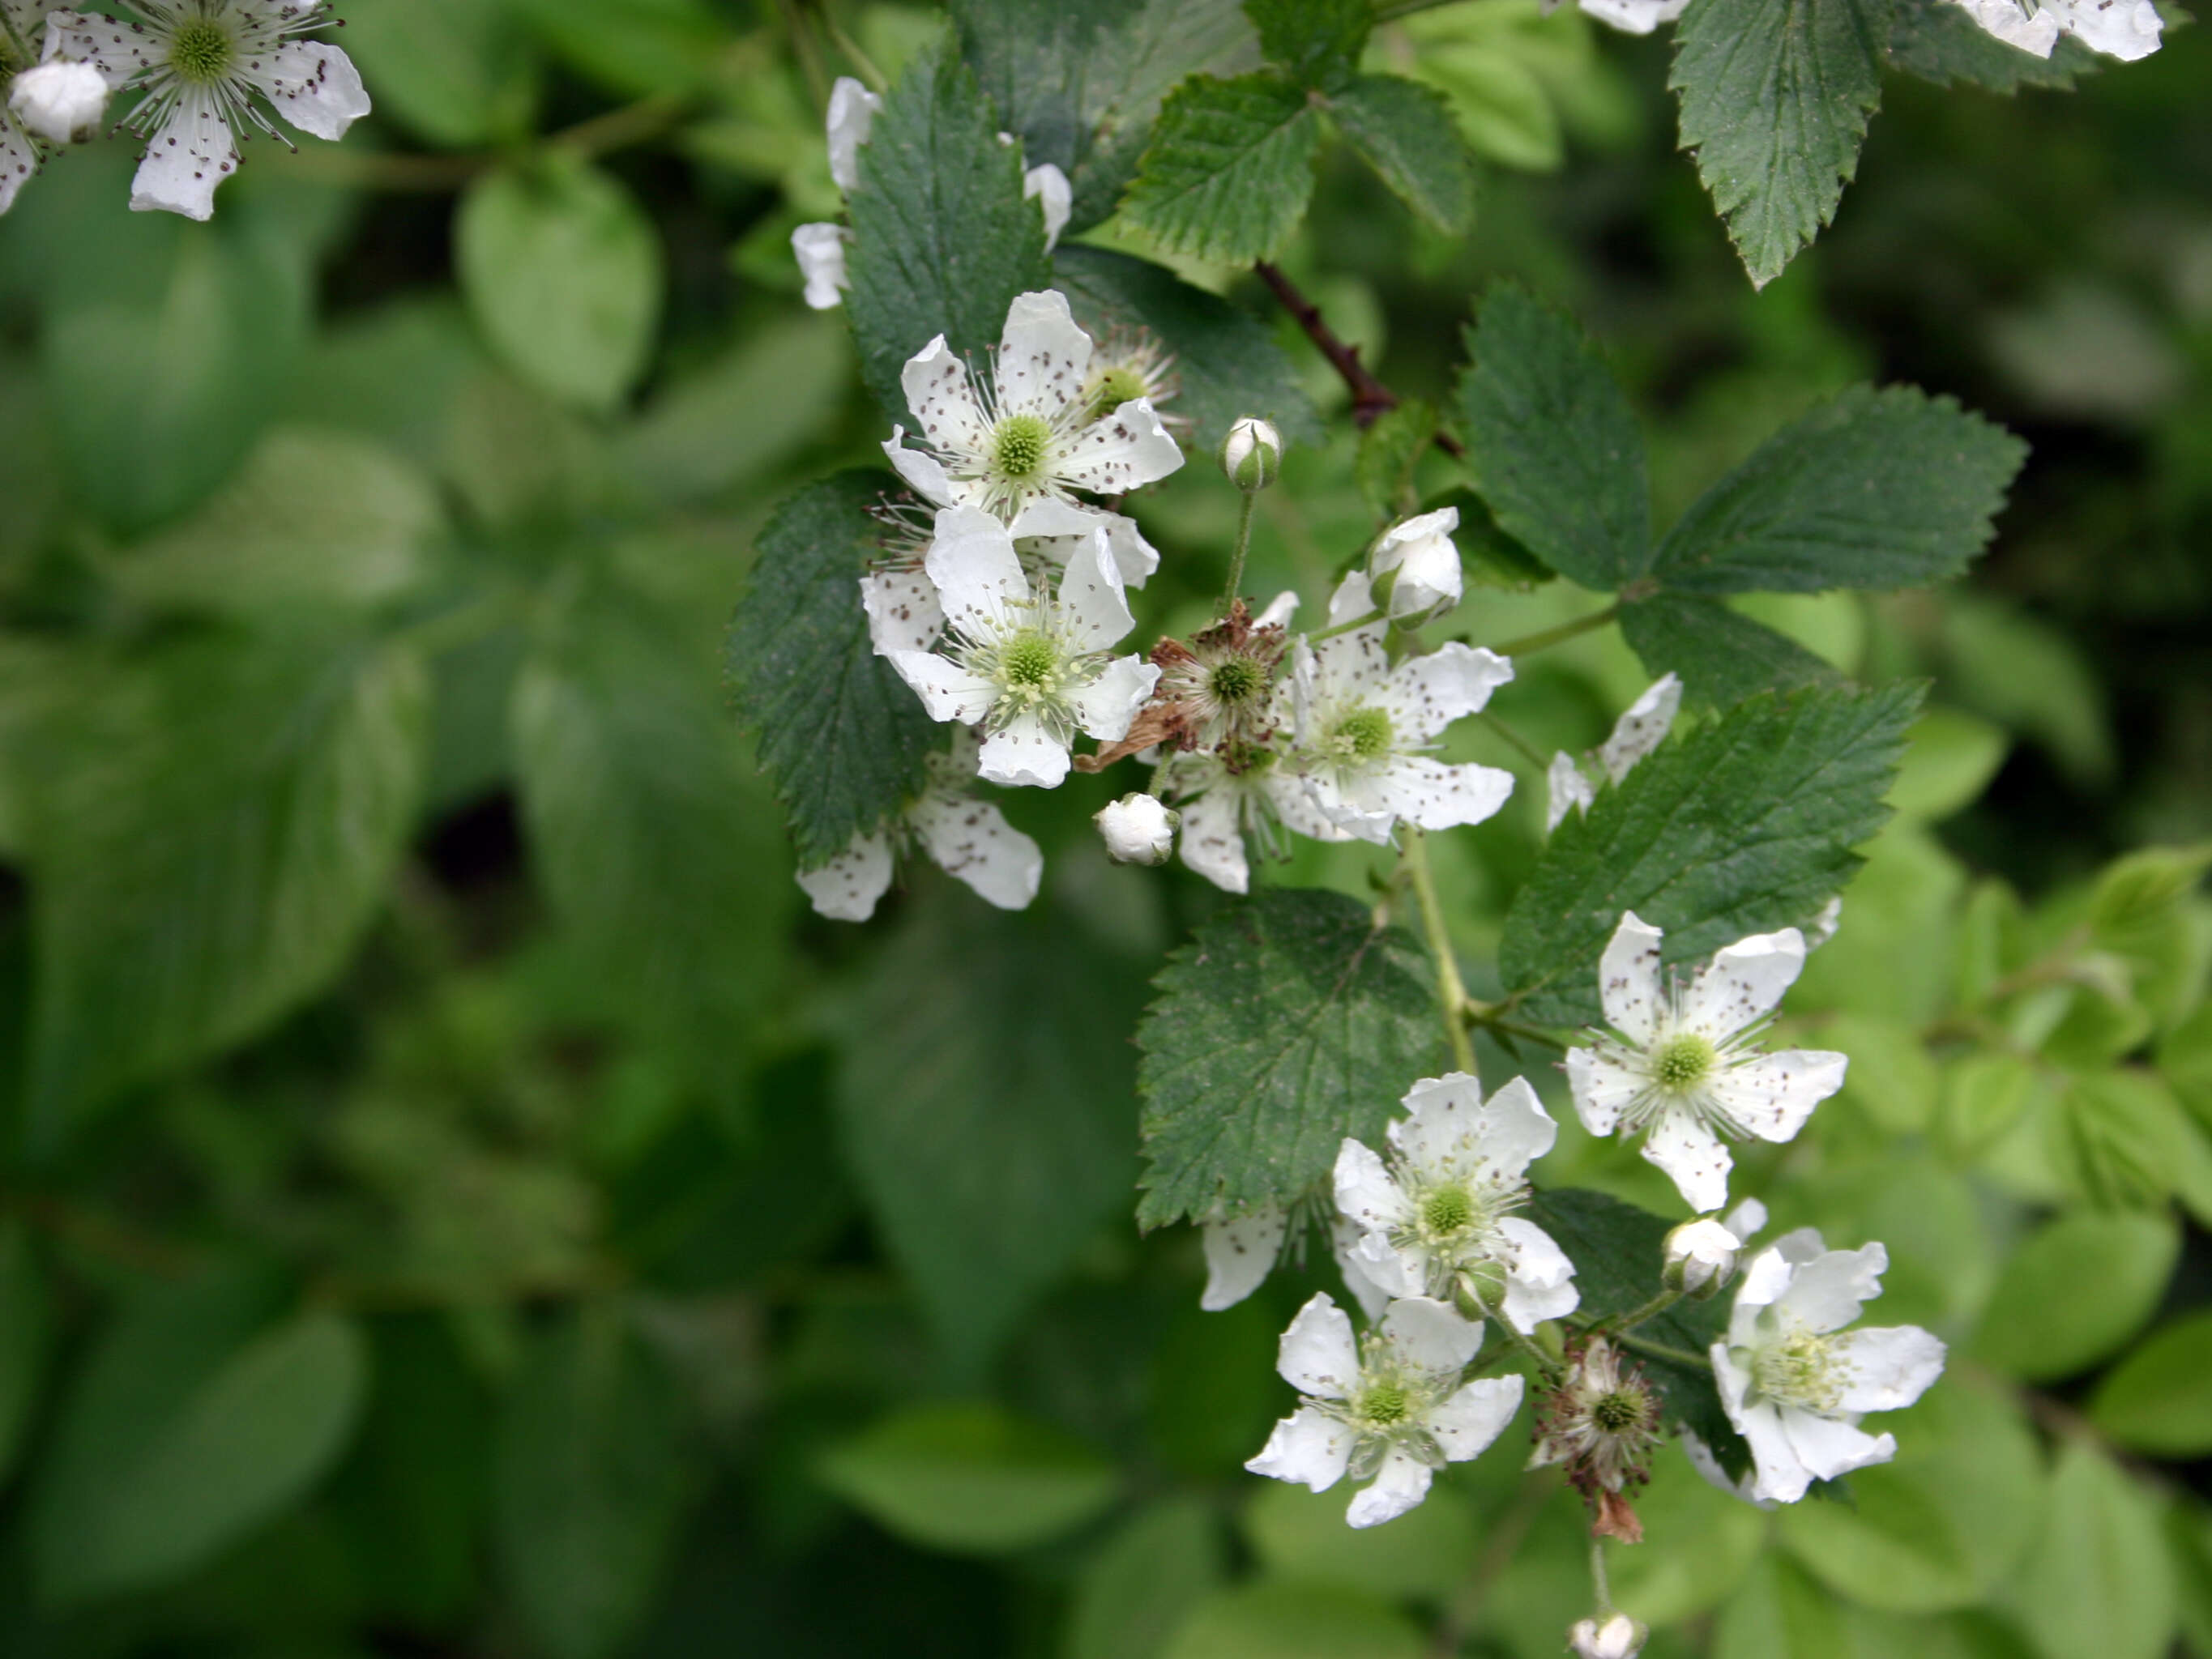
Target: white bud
853,111
820,251
1701,1258
61,101
1048,186
1619,1637
1252,453
1138,830
1414,569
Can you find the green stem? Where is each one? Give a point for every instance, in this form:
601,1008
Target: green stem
1244,544
809,53
1598,1581
1368,620
878,81
1450,993
1530,752
1628,1321
1548,1369
1550,636
1644,1345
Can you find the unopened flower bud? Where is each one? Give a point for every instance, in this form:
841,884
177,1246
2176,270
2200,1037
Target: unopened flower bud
61,101
1618,1637
1252,453
1700,1259
1414,569
820,251
1480,1291
1138,830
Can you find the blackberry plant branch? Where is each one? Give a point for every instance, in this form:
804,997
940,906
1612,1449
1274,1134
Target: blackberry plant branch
1370,398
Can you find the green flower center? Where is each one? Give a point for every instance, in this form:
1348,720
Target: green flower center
1683,1062
1018,444
1799,1370
1384,1405
1447,1209
1364,734
1238,680
1617,1413
1028,659
201,52
1116,387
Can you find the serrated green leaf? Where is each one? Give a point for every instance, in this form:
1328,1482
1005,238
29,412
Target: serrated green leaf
1552,445
1937,40
841,737
984,1106
1875,488
943,238
213,828
2074,1292
1389,450
1722,655
562,270
1229,167
1743,826
1319,41
1406,132
971,1477
1226,360
2098,1584
1287,1023
2155,1400
588,1484
1775,94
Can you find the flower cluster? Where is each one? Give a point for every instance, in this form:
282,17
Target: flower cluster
209,73
2119,28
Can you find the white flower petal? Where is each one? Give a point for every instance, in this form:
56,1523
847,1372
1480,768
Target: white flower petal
978,575
1742,984
1024,751
1105,708
1430,1335
904,613
1693,1156
1636,16
117,50
312,84
924,474
1469,1421
1828,1447
1746,1221
18,162
853,111
1540,1282
1415,789
937,391
947,691
1366,1193
1448,1125
1317,1356
1424,695
1345,1241
1710,1472
1394,1271
846,888
1279,612
1889,1367
971,842
1640,731
2012,23
186,157
1602,1087
2126,29
1354,598
1055,528
820,251
1400,1484
1049,186
1043,356
1239,1251
1119,452
1294,804
1569,790
60,100
1091,596
1213,839
1772,1095
1831,1291
1309,1448
1628,979
1779,1474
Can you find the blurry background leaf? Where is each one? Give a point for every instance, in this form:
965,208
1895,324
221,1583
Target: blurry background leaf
1141,1582
26,1315
640,47
2098,1583
1296,1621
2074,1292
2155,1400
458,75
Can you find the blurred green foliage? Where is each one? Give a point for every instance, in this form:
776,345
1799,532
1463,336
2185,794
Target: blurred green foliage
454,1202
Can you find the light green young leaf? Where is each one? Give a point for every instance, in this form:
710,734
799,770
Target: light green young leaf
1229,167
2155,1400
943,238
1287,1023
214,827
1319,41
1722,655
969,1478
1275,1620
1226,361
984,1106
2122,1139
1552,444
2027,674
2098,1584
2138,893
1139,1584
2074,1292
1875,488
1775,94
842,737
1405,131
562,270
1938,40
1743,826
589,1482
1950,761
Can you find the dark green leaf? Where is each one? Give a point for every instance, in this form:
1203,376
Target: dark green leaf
1229,167
562,270
971,1477
1551,443
842,737
1319,41
1226,360
1407,133
984,1104
642,48
214,827
1138,1585
1939,41
1617,1250
1742,826
1287,1023
1389,450
1776,96
1875,489
1722,655
943,238
589,1483
26,1315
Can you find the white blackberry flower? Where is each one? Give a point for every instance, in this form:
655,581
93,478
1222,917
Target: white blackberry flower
2118,28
